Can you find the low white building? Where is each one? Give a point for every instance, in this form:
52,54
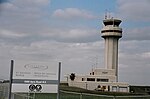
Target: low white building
98,79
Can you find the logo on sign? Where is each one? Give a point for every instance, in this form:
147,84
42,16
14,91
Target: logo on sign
35,87
36,66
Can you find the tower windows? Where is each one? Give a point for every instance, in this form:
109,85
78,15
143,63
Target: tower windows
92,73
117,31
102,80
90,79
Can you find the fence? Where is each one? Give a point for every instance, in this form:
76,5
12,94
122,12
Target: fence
75,95
65,95
22,96
3,91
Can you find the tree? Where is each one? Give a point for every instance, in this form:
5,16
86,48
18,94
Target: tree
72,76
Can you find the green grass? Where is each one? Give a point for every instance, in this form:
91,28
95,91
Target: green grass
45,96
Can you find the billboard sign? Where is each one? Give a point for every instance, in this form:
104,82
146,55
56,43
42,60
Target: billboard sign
35,77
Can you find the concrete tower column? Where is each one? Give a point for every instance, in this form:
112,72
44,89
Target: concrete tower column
111,32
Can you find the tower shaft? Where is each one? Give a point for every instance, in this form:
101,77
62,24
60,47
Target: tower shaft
111,53
111,32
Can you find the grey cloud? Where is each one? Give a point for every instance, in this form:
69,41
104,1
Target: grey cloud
75,35
10,34
134,10
72,55
72,13
27,21
29,3
72,34
21,17
136,16
137,33
134,61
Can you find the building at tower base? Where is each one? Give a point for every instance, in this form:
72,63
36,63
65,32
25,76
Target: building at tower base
99,79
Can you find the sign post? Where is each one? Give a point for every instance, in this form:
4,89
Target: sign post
59,72
10,79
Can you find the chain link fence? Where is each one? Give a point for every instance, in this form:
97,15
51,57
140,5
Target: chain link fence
22,96
3,91
75,95
63,95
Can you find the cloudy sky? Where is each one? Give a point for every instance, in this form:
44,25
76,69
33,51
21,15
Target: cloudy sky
69,31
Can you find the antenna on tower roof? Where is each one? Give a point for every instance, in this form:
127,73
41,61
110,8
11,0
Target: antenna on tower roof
106,14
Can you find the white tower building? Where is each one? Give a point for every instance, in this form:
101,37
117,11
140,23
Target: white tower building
104,79
111,32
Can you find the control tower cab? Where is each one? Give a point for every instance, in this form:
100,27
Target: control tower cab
111,28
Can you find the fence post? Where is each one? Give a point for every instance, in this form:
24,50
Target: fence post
34,96
81,96
10,79
114,97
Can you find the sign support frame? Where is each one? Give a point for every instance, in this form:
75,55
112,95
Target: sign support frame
10,79
59,72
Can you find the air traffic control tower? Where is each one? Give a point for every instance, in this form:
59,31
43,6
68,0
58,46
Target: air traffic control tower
100,78
111,32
